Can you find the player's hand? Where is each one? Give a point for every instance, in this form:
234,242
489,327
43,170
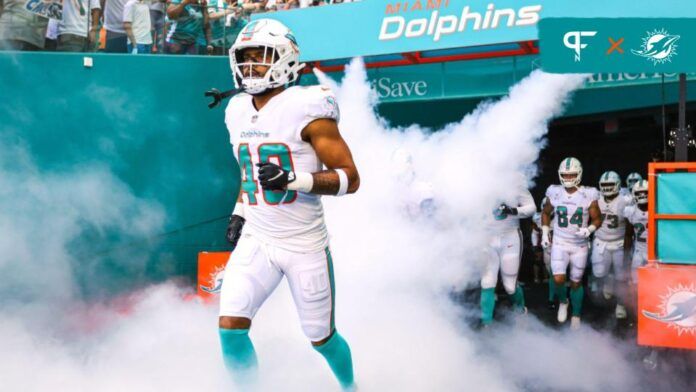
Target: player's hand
505,210
545,241
273,178
234,229
545,237
584,232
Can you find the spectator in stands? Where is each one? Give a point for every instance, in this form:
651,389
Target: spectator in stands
77,31
254,6
19,28
116,38
51,34
225,24
136,22
290,4
157,20
187,25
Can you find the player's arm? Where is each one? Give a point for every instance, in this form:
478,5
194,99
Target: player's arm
595,214
334,153
341,176
595,221
546,212
526,206
545,222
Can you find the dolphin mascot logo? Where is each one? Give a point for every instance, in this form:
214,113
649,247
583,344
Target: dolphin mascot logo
682,311
659,47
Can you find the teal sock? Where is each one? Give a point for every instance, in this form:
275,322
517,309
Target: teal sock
238,353
576,296
487,305
552,288
561,292
518,298
337,354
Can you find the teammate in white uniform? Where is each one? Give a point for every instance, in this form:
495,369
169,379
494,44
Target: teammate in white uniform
416,197
283,137
577,217
637,216
631,180
609,242
504,253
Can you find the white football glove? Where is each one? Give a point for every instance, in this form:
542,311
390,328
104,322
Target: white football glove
545,240
585,232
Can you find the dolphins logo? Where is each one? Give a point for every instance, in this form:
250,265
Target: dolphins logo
659,47
215,282
678,310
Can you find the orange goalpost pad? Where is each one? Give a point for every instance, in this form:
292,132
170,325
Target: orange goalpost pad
667,306
211,268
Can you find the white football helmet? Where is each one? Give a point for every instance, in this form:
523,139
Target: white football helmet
640,192
280,53
609,183
632,179
570,166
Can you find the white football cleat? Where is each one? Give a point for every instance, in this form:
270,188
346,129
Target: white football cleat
620,311
562,312
575,323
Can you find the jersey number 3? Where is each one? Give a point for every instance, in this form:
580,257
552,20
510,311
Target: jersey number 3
249,184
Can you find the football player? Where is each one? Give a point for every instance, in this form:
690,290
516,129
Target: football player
637,216
416,197
577,217
290,152
609,243
631,180
504,253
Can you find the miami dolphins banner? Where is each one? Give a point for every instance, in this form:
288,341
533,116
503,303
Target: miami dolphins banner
591,45
667,306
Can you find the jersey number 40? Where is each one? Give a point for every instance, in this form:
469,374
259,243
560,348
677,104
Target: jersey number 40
250,186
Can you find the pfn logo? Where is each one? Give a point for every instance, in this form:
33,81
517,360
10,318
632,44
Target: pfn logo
573,40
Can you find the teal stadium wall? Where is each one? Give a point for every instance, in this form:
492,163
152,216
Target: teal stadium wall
145,119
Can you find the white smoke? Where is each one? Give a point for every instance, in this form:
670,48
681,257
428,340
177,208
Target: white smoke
394,274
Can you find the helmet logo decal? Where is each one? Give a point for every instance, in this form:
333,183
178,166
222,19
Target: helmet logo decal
249,30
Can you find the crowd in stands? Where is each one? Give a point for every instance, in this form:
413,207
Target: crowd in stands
207,27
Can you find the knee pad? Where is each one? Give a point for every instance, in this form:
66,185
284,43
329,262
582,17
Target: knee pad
576,273
316,331
599,269
510,283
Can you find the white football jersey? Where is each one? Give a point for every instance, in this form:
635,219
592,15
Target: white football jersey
613,226
639,220
524,202
572,211
288,219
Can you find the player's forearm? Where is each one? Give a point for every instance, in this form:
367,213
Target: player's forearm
545,218
328,182
596,221
526,210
